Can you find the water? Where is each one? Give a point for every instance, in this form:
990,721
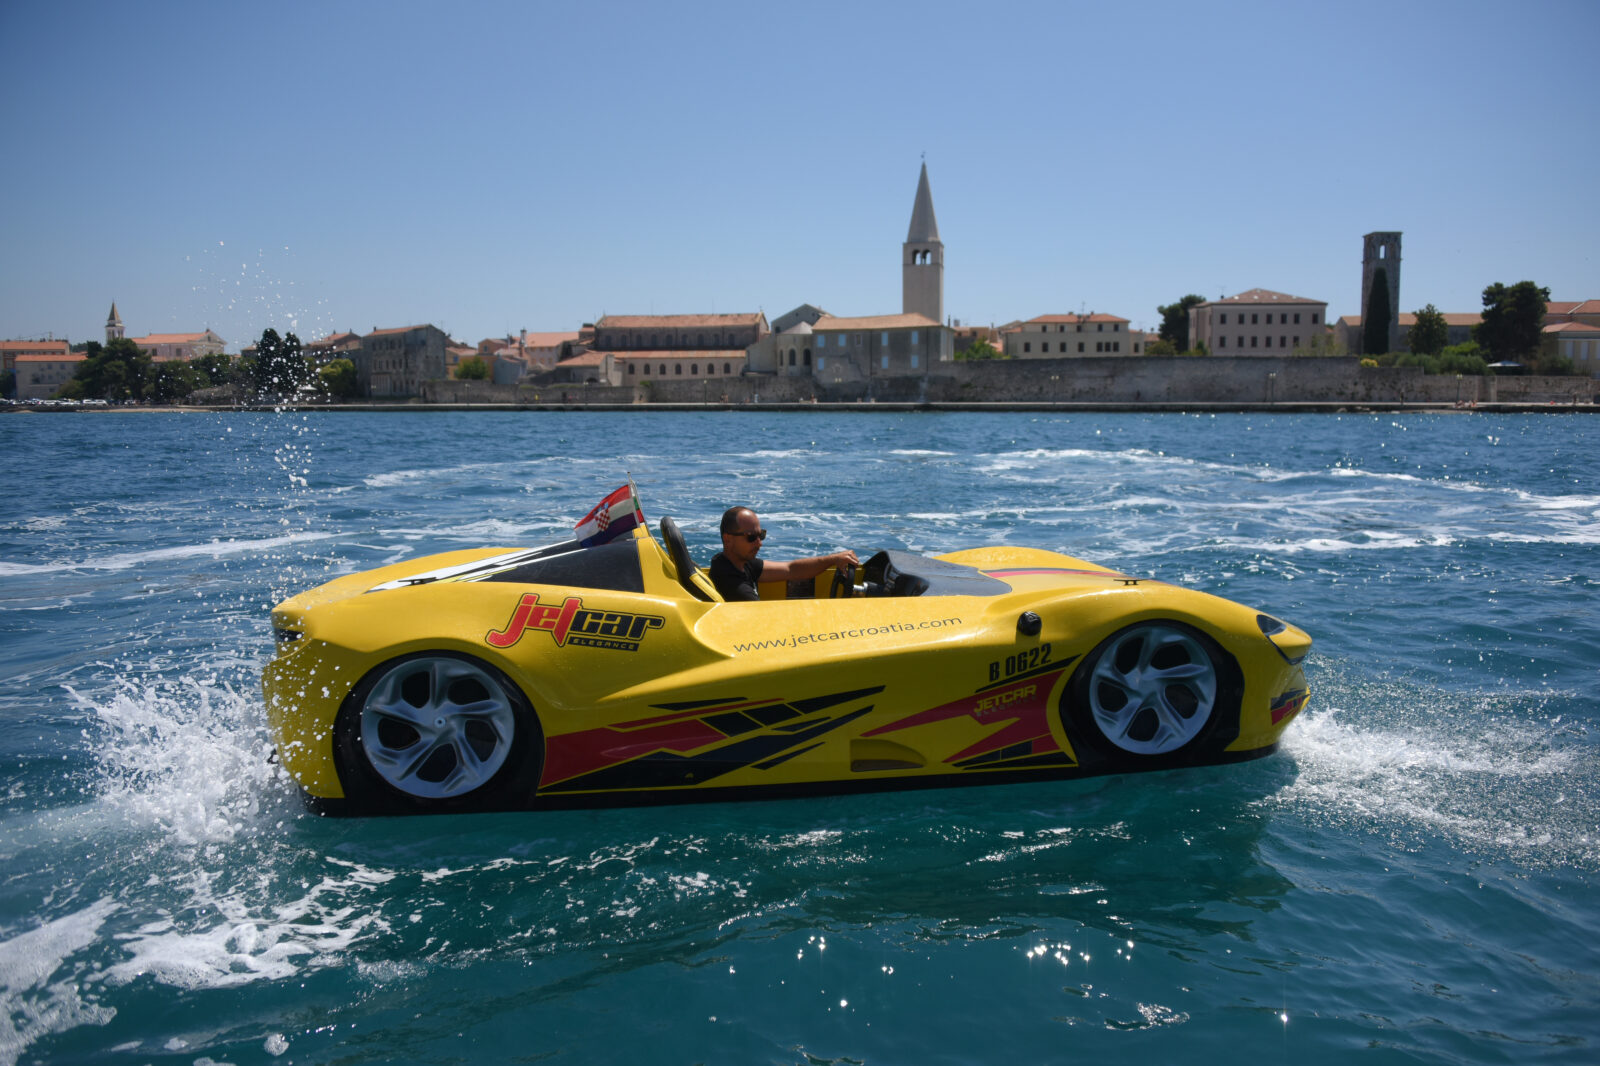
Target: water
1412,875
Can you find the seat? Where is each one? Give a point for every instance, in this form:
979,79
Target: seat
678,551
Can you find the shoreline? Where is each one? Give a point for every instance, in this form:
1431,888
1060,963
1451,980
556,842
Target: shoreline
1018,407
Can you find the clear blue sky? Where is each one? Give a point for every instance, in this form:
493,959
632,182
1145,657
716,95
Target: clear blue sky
490,167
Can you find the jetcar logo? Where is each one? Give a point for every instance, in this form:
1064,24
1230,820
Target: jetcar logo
570,623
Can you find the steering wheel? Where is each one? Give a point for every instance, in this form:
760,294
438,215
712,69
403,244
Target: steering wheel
844,582
679,553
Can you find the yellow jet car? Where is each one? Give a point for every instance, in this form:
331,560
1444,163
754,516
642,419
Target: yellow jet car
571,676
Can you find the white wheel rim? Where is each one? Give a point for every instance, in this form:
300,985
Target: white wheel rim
1153,689
438,727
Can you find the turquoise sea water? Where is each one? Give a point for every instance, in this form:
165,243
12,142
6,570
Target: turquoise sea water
1413,876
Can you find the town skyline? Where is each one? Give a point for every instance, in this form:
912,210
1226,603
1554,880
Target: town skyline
1065,181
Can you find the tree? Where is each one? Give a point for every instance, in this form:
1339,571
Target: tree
215,369
338,378
472,368
1376,316
1175,321
172,380
281,367
1513,320
977,350
114,371
1430,334
1160,347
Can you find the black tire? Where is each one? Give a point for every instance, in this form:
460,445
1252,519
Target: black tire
437,732
1154,694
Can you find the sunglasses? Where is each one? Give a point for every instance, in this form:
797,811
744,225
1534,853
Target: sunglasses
751,538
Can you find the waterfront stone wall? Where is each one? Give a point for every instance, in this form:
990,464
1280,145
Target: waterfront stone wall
1126,380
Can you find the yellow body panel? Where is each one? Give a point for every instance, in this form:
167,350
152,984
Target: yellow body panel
666,692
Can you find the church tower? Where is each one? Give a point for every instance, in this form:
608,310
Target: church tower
113,324
1380,292
922,259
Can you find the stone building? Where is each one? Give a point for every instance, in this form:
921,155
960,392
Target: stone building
165,347
11,351
1053,336
854,349
395,362
39,376
623,333
1258,322
1458,329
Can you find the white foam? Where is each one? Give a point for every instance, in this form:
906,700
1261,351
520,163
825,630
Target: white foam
31,1004
188,758
216,549
231,939
1504,786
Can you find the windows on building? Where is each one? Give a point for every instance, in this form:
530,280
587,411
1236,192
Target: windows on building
1027,346
677,368
884,363
913,360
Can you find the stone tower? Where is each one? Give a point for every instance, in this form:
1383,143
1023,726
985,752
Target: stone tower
113,324
1382,253
922,259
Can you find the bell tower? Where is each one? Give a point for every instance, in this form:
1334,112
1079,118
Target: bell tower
922,259
113,324
1380,292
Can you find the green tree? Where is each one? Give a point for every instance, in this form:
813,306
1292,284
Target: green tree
114,371
1430,334
1160,347
1513,320
472,368
338,378
1175,321
172,380
213,369
979,349
280,367
1376,316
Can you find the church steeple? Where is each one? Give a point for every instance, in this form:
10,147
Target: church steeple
113,324
922,258
924,226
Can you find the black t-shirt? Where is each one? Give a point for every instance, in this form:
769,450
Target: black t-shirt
734,583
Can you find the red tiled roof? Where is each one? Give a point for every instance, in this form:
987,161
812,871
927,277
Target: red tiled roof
546,340
677,356
874,322
398,329
168,338
35,346
73,357
1260,296
1554,327
1063,319
676,321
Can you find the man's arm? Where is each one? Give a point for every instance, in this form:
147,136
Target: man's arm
800,569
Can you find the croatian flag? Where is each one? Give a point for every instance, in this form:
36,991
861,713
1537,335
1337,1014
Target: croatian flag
610,519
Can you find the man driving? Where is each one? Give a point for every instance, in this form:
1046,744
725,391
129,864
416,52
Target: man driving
736,571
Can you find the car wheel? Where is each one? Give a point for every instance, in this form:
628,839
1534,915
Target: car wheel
438,731
1152,690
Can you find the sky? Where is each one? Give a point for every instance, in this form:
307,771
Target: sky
491,167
